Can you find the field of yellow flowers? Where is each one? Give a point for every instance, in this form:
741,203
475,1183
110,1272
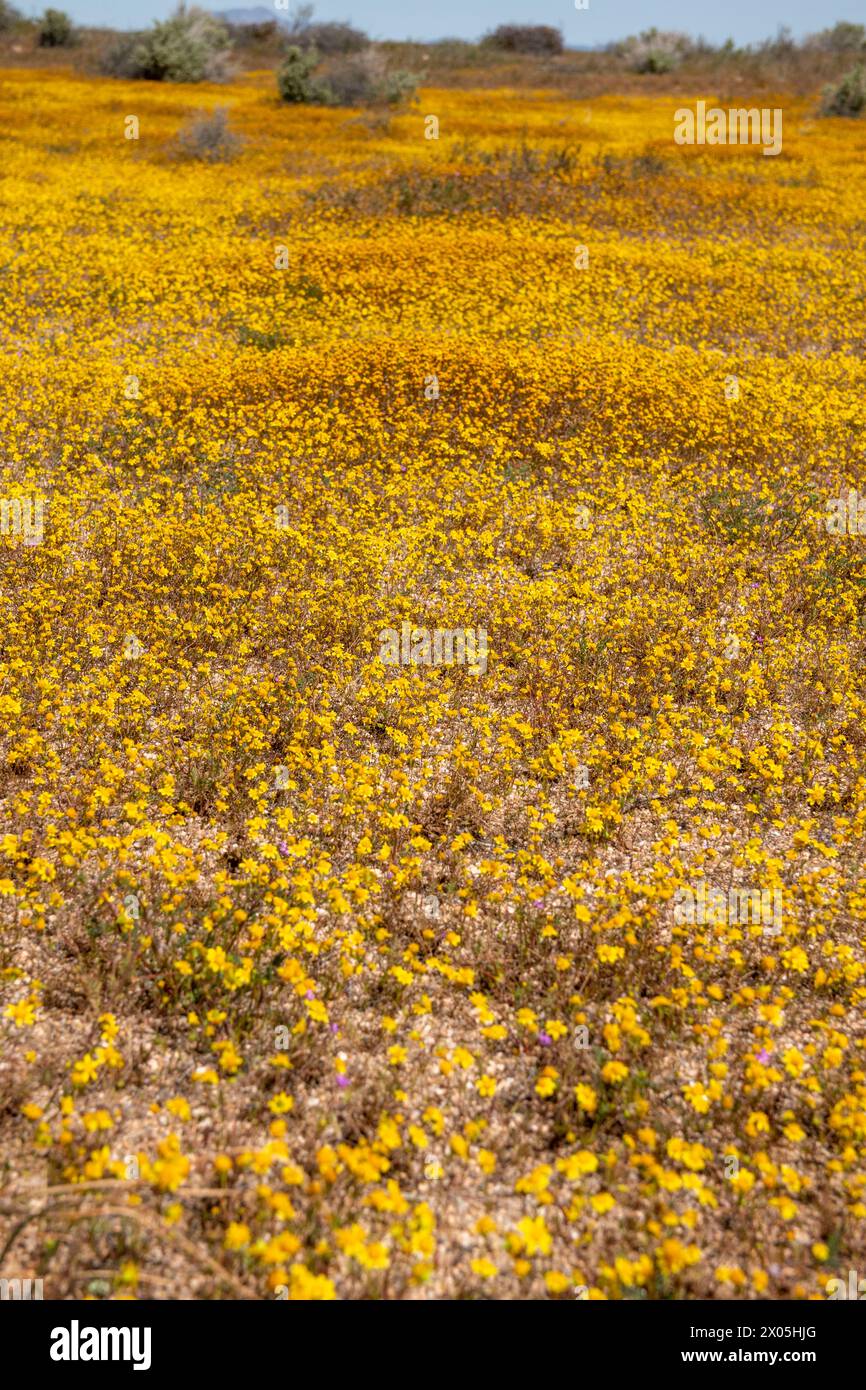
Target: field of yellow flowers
328,977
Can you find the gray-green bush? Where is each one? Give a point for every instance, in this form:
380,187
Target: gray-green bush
654,50
295,81
55,30
356,79
848,97
525,38
844,37
9,16
208,137
189,46
364,79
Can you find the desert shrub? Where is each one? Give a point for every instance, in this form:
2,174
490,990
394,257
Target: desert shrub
525,38
117,60
848,97
782,46
356,79
654,50
455,51
206,136
257,32
189,46
55,30
364,79
9,17
333,38
656,61
842,38
295,81
399,87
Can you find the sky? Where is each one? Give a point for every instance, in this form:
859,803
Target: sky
746,21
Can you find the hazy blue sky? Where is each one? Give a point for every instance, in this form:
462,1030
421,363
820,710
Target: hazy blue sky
742,20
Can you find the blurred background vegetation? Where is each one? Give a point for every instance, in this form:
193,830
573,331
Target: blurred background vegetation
338,62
